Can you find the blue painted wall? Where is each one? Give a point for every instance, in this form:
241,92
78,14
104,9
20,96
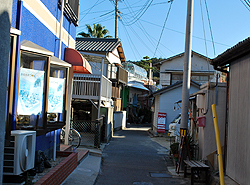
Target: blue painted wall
33,30
52,6
14,13
167,101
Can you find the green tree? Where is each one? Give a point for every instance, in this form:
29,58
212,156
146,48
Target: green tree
145,63
98,31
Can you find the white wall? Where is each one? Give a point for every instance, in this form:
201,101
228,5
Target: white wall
197,64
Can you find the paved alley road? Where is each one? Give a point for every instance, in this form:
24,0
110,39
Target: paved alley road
132,158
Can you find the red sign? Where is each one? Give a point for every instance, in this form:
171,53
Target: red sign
201,121
161,124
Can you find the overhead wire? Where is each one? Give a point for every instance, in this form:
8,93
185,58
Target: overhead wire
140,13
246,5
144,31
91,9
183,33
210,27
205,42
247,2
163,26
149,37
140,26
131,43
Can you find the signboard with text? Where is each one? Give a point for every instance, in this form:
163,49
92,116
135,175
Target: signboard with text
161,123
30,96
56,95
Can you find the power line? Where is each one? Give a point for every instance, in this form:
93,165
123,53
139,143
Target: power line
245,5
91,8
183,33
140,26
210,27
131,43
204,33
164,26
140,13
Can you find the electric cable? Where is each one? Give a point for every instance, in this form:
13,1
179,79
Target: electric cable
245,5
209,22
130,42
183,33
140,26
141,13
164,26
91,9
247,2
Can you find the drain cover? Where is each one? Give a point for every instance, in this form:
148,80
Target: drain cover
160,175
142,183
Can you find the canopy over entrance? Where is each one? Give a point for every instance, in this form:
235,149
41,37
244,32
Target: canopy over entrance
79,63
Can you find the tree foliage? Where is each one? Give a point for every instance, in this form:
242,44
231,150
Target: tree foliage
98,31
145,63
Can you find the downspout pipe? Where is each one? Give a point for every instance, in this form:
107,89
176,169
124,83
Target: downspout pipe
17,62
226,124
61,28
59,56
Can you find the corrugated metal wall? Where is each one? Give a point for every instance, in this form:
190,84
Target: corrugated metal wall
238,152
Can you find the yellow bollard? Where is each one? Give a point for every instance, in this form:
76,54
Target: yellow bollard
217,135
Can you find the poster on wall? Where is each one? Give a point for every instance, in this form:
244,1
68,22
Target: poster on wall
56,95
30,97
161,123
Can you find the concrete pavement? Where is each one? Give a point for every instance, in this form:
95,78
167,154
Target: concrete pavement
132,158
119,150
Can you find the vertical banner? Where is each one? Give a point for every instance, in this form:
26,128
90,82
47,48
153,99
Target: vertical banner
161,123
30,96
56,95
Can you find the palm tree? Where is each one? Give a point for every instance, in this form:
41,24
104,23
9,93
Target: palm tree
98,31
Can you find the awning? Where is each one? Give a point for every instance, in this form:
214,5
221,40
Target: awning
79,63
56,61
32,47
137,86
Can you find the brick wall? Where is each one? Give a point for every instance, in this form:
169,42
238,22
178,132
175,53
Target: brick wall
61,171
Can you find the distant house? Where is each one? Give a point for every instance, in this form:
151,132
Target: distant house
99,93
135,94
171,69
237,148
165,99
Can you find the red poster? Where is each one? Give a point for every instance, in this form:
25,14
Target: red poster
161,124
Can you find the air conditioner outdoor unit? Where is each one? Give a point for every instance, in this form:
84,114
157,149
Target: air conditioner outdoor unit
19,156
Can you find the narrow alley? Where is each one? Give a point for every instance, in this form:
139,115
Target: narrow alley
132,158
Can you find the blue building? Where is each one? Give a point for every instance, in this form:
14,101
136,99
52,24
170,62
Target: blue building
38,74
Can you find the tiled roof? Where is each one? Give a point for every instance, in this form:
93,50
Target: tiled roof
96,44
231,54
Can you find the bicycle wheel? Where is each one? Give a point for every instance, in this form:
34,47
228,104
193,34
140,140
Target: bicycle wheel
62,135
74,138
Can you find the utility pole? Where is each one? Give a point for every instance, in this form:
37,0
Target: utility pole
187,69
116,19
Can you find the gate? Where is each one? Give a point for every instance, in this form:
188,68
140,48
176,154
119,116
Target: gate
90,131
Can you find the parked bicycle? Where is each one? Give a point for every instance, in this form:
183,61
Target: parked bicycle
74,137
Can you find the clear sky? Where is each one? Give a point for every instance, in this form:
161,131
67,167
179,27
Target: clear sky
141,25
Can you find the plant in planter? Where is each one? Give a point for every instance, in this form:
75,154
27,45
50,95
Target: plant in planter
174,148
